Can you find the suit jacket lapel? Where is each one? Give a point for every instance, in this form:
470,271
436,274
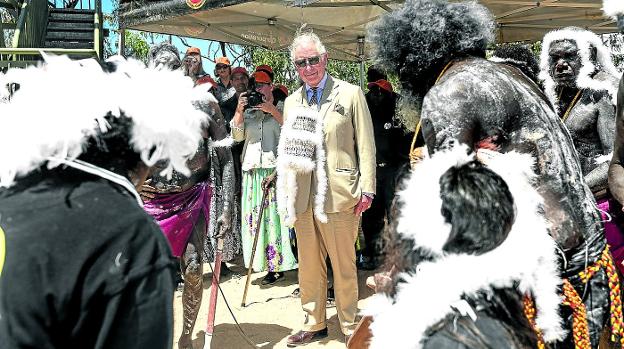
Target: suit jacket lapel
304,95
329,94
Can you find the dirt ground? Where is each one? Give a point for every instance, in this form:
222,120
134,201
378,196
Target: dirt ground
271,314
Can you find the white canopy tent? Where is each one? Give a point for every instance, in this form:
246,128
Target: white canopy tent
341,24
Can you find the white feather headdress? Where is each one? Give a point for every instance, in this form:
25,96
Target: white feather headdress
62,103
613,8
584,39
527,256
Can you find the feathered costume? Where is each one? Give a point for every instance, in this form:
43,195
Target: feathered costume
523,263
48,131
71,215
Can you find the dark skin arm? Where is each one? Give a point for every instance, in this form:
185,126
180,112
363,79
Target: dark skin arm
597,179
616,169
217,131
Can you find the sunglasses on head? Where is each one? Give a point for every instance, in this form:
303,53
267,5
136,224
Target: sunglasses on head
314,60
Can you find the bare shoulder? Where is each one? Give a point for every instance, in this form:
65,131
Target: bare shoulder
474,79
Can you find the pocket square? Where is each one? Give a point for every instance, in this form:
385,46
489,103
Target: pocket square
339,109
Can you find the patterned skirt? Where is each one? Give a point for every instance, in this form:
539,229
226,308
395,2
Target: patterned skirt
273,252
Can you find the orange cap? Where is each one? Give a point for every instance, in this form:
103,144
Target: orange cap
193,50
283,89
384,84
262,77
222,60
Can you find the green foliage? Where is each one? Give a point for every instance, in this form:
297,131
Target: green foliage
343,70
136,45
615,43
6,35
284,72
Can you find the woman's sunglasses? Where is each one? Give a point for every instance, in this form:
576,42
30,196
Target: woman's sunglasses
314,60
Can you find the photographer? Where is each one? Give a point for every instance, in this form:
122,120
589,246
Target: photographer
257,122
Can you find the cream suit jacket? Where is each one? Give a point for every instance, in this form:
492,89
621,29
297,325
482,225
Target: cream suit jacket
349,147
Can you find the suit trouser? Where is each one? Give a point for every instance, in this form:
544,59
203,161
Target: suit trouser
315,241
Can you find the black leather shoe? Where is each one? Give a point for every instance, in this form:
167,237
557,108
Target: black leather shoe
305,337
272,277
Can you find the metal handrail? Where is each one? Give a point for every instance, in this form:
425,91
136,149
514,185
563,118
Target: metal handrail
81,4
98,25
30,32
37,51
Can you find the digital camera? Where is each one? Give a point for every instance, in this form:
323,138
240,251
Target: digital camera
254,98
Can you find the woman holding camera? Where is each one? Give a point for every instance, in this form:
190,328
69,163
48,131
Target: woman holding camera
257,122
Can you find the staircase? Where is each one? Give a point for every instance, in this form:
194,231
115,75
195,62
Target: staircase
41,27
70,29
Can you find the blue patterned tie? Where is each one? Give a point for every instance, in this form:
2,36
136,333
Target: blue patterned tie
314,99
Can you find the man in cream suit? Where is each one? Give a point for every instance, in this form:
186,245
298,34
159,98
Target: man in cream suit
349,164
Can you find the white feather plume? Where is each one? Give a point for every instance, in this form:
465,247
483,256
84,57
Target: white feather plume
61,103
613,8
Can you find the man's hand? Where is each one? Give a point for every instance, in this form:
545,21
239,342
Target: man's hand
363,205
148,192
242,102
268,181
224,222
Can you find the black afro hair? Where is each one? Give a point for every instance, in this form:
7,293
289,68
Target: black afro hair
416,40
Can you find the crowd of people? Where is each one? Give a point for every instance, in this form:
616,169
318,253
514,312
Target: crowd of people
496,222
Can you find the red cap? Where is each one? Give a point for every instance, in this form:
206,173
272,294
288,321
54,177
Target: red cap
381,83
240,70
283,88
262,77
206,79
265,68
193,50
222,60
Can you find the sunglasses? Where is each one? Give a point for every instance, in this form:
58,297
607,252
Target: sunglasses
301,63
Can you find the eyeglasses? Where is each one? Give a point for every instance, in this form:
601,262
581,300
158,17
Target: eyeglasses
301,63
221,66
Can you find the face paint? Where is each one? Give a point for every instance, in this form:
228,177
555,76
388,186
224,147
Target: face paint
564,62
192,64
166,59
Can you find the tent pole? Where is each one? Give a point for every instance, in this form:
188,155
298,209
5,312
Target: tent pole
122,41
362,81
360,51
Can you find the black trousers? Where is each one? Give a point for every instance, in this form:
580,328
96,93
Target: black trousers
374,219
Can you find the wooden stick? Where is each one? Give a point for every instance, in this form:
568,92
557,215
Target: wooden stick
265,192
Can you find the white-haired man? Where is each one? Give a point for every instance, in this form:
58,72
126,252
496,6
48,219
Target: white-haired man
326,179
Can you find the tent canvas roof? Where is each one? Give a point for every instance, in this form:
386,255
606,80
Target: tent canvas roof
340,23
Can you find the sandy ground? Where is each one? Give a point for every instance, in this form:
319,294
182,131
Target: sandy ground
270,316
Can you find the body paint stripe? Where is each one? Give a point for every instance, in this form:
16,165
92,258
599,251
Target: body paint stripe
2,249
